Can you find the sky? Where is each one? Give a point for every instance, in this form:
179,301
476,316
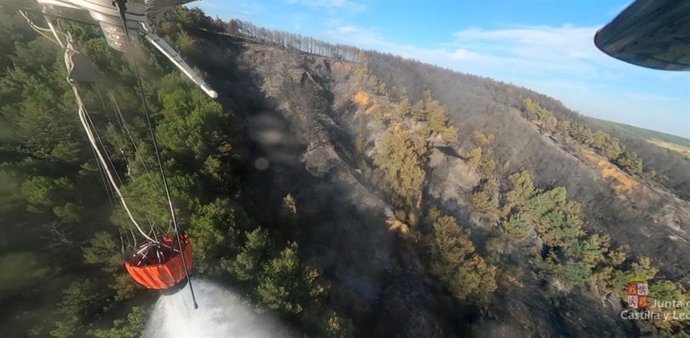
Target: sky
544,45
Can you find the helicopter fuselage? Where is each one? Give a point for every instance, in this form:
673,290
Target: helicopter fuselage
117,24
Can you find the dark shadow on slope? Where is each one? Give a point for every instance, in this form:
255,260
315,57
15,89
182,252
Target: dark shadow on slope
349,239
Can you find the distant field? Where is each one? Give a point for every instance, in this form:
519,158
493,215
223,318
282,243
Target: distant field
650,135
672,146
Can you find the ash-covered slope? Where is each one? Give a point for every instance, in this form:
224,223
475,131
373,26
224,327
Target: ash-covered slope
653,218
298,144
312,132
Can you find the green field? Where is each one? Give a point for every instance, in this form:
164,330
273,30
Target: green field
643,133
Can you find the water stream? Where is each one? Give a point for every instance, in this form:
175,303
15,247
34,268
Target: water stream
221,313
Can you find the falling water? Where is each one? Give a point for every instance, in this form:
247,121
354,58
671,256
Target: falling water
221,313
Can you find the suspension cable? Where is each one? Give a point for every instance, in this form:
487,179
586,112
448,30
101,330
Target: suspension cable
123,126
104,180
165,181
152,231
107,116
69,52
55,32
102,144
41,30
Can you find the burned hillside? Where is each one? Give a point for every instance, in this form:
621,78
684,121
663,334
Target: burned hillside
348,193
324,124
